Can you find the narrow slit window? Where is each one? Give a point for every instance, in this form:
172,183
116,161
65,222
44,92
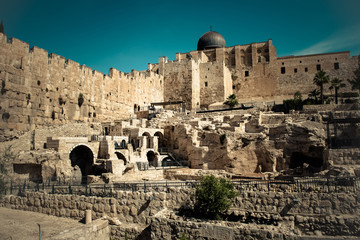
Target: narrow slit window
246,73
283,70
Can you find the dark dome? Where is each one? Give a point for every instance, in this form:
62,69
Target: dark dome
211,40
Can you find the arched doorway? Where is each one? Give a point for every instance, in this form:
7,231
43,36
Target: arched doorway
148,139
83,157
152,159
167,162
121,156
160,139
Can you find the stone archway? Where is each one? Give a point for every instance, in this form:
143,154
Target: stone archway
160,136
83,157
168,162
152,158
148,139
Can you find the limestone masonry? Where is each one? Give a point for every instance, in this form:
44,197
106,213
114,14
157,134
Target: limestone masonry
130,147
39,88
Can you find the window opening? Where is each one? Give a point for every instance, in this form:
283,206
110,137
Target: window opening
282,70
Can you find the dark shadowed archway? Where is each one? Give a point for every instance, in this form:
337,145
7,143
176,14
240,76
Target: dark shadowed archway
151,157
160,139
298,159
83,157
167,162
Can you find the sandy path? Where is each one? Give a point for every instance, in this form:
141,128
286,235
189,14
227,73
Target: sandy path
16,224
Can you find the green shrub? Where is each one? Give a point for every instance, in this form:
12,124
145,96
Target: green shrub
231,101
213,197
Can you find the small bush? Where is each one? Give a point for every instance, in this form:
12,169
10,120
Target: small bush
231,101
213,197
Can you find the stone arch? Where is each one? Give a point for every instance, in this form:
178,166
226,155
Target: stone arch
121,156
120,145
82,156
148,139
161,142
168,161
123,144
152,158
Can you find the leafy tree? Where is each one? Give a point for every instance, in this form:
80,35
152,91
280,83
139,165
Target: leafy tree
213,196
319,80
336,84
296,103
231,101
314,95
355,82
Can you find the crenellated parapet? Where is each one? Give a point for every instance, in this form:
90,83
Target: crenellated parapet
39,88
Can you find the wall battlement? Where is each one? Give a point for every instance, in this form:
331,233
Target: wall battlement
42,88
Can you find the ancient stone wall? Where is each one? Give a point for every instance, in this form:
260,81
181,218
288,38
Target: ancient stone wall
39,89
296,73
344,157
163,228
96,230
178,80
332,210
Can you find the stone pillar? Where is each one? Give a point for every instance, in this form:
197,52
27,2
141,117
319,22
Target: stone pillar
88,218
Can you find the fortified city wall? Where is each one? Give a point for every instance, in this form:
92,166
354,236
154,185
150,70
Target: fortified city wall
38,88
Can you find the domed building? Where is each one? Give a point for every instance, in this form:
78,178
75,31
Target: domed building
205,77
211,40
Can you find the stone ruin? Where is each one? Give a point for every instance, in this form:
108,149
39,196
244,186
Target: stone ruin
241,143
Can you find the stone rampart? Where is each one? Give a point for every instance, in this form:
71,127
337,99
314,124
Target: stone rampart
38,88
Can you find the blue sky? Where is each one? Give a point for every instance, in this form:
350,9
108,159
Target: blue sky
130,34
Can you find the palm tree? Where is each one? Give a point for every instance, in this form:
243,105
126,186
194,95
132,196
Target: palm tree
355,82
319,80
314,95
336,84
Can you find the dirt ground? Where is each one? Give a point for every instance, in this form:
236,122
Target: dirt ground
18,225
